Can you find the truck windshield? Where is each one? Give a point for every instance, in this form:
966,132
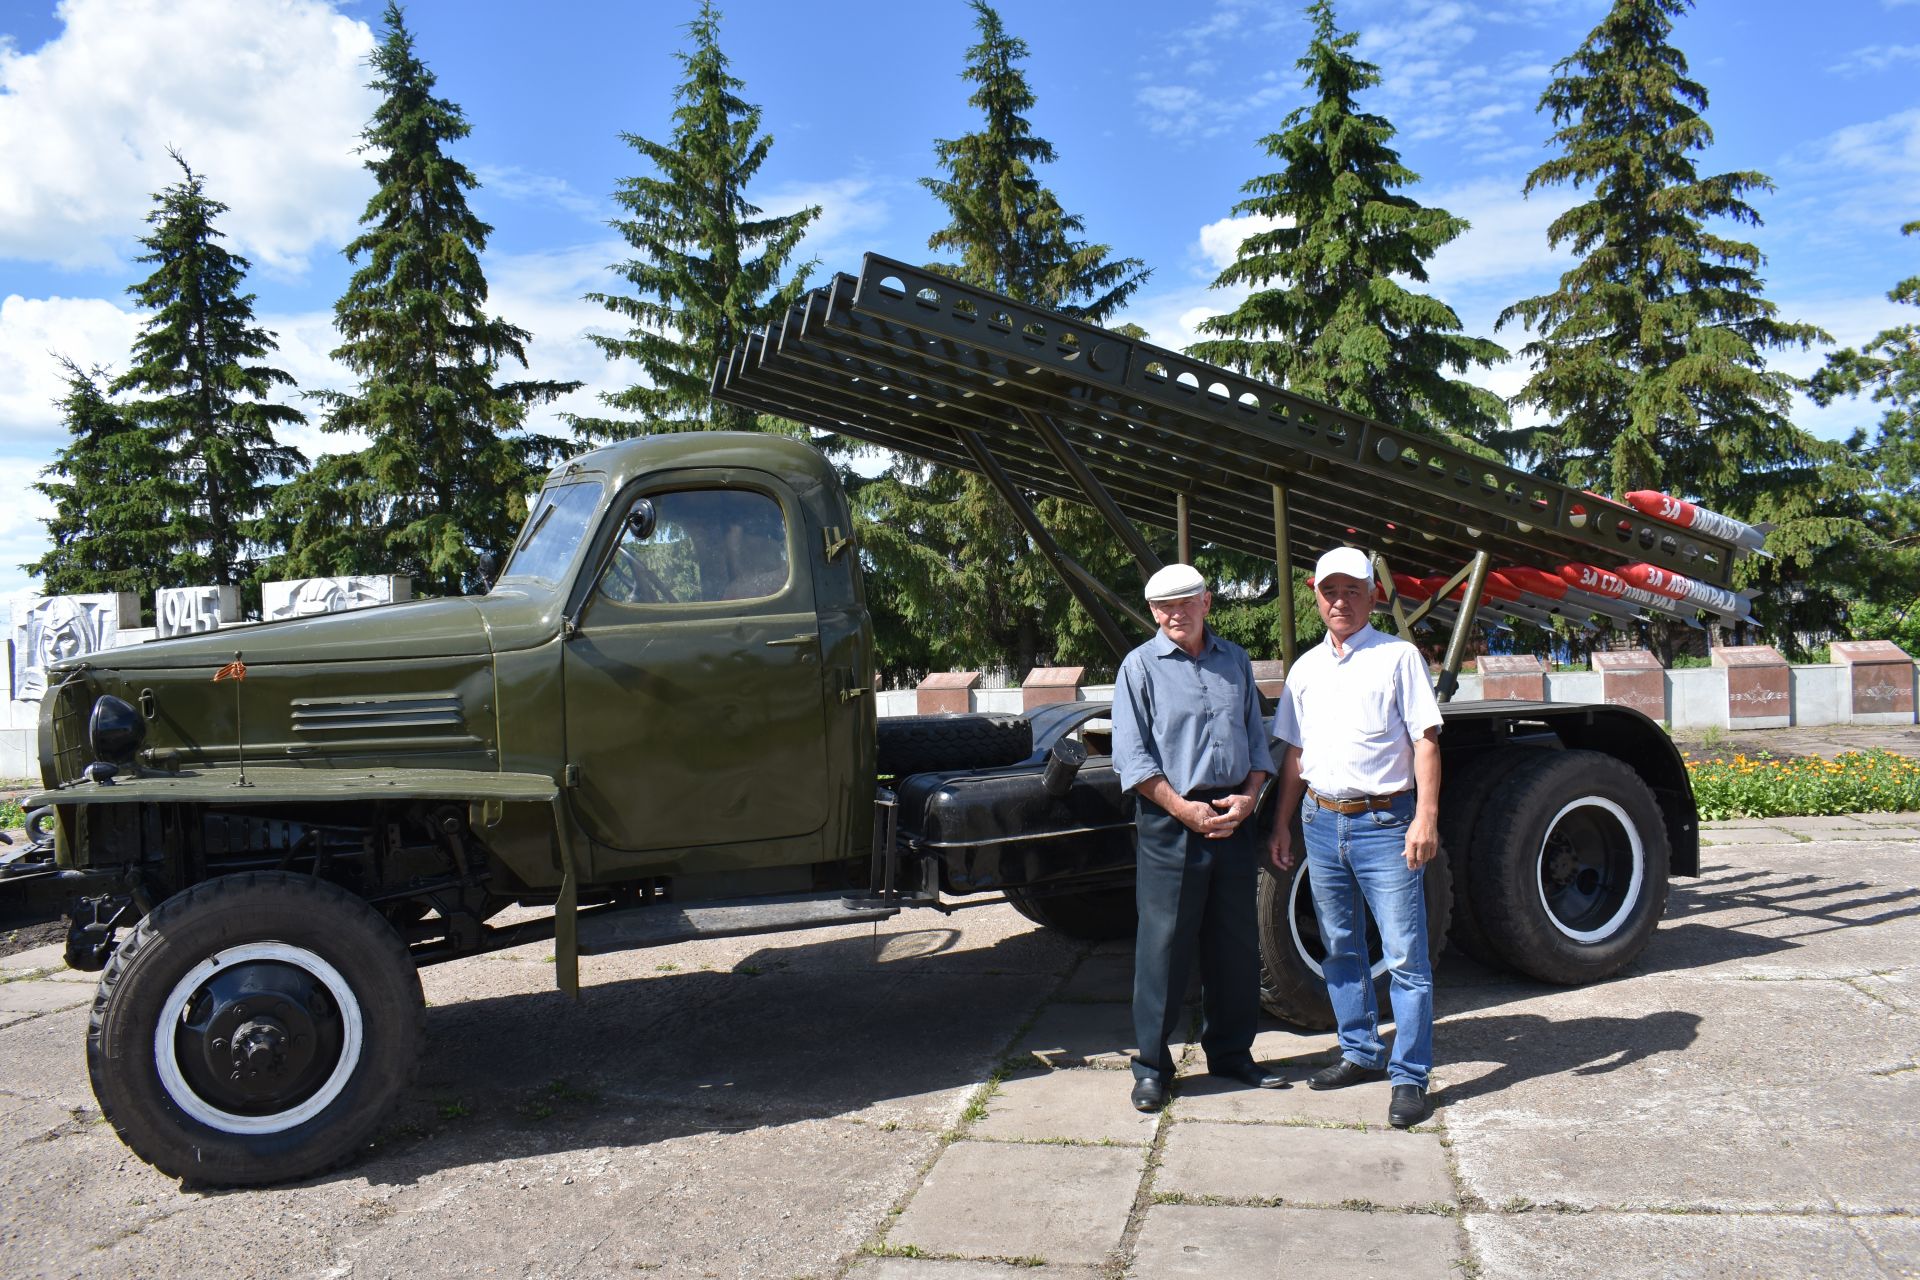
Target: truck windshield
553,532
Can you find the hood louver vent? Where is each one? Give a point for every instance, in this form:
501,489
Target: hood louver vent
416,713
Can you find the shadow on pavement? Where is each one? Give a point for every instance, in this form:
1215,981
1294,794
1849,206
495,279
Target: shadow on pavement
790,1033
1528,1046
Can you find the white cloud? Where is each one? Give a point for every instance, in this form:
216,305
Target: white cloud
269,107
1508,236
1220,241
34,334
1876,57
853,211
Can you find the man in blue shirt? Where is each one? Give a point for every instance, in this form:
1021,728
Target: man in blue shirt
1190,743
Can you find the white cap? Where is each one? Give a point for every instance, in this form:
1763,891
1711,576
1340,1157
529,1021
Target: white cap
1348,560
1175,582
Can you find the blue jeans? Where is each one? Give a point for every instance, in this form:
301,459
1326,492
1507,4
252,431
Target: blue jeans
1357,866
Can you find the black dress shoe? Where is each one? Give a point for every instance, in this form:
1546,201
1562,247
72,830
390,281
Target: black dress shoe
1343,1073
1149,1094
1409,1106
1252,1075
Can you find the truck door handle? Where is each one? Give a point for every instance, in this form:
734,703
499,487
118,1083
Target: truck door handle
792,641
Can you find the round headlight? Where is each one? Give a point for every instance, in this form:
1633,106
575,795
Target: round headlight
115,729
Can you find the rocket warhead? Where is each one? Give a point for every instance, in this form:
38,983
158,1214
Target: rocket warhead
1679,586
1599,582
1687,515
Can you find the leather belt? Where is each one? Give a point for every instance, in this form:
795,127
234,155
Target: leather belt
1359,804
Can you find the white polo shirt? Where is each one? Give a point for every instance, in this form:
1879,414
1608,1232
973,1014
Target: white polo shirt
1355,714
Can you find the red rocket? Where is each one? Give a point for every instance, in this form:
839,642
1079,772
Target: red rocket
1679,511
1680,587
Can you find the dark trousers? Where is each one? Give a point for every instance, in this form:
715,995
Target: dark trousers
1196,897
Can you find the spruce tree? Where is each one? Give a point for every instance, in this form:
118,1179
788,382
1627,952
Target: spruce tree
1009,230
711,263
1650,358
1887,371
950,563
198,390
112,499
442,482
1649,362
1328,316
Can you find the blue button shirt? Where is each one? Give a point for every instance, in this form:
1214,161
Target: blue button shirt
1194,721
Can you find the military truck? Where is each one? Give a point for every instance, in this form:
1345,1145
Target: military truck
659,723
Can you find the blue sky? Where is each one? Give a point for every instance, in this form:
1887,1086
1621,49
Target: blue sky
1156,111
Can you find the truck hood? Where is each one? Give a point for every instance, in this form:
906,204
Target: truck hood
414,629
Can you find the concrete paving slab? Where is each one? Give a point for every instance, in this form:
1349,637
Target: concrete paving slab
1082,1105
1670,1159
1015,1200
941,1269
1894,1240
1858,1137
1208,1242
1101,978
1638,1246
1761,836
1077,1035
37,995
1891,818
53,955
1901,832
1818,825
1304,1166
773,1203
1291,1051
1200,1097
44,1056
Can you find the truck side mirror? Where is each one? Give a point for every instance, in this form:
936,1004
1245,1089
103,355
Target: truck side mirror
640,520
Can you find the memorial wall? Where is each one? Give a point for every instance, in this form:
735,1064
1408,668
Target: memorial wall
41,630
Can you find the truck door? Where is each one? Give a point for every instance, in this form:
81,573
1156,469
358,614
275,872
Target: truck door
694,689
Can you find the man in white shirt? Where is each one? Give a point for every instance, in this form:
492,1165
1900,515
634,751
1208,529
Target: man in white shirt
1361,727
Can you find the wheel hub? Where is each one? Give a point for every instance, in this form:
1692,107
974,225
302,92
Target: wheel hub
258,1037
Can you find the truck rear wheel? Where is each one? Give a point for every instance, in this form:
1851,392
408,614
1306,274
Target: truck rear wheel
1570,879
1096,915
1293,987
254,1029
1470,782
917,744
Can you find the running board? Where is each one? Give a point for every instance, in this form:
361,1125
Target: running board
659,923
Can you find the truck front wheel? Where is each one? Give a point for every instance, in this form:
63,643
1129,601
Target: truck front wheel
1293,987
1570,879
254,1029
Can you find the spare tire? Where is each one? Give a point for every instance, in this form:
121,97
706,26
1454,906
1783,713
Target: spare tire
918,744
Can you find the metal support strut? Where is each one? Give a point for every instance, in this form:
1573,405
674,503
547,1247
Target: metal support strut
1096,493
1023,511
1449,680
1283,572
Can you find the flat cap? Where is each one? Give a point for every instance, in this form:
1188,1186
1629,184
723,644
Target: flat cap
1348,560
1175,582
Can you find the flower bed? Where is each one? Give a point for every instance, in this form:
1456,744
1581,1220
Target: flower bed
1760,786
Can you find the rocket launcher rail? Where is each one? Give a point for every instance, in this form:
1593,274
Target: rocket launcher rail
1045,405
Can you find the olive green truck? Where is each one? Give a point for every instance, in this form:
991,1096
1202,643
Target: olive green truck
659,723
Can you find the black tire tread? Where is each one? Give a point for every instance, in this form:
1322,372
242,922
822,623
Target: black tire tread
1094,915
212,895
1462,801
969,740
